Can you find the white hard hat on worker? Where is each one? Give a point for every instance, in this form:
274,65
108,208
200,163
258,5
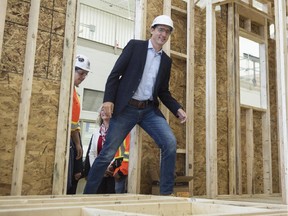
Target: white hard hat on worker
163,20
82,68
82,62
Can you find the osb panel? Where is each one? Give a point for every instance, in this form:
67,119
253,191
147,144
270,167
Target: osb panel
178,91
180,4
60,6
39,160
199,166
58,23
273,115
243,150
14,43
154,8
18,12
55,57
10,89
179,35
40,149
258,152
45,19
222,117
42,54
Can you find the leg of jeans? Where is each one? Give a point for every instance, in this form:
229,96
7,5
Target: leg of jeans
158,128
119,127
120,185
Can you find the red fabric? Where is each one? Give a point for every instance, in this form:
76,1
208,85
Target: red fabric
100,144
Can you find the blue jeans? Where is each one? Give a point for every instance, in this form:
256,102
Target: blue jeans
120,185
156,126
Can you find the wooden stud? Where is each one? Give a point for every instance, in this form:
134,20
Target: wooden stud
282,93
266,120
250,151
190,93
211,103
167,5
237,104
231,99
3,8
65,107
24,108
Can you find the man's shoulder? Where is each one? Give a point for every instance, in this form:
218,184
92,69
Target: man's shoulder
138,42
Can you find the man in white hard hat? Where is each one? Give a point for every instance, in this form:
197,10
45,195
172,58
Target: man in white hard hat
138,79
75,171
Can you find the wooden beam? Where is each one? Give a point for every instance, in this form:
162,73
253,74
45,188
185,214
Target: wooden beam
231,79
3,8
282,93
266,120
135,159
167,6
65,102
211,103
250,151
237,104
190,93
24,108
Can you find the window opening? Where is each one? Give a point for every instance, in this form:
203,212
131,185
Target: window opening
252,74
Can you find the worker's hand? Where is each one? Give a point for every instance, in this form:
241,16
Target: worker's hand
108,108
181,115
77,176
117,176
109,171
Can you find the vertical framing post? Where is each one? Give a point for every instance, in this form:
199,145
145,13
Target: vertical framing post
250,151
167,11
190,93
24,109
282,93
3,9
211,103
231,73
266,121
237,104
65,102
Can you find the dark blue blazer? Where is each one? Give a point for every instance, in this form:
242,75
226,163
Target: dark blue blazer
126,75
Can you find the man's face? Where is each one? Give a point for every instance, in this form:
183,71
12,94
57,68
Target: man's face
160,34
79,76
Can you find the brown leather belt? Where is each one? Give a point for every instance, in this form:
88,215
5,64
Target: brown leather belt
139,104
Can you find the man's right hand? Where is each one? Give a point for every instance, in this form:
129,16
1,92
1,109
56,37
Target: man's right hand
108,108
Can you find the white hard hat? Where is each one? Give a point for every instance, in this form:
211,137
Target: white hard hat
82,62
163,20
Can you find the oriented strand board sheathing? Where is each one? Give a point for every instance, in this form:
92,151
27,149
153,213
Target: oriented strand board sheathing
179,35
258,152
41,137
179,4
222,103
10,89
273,110
199,165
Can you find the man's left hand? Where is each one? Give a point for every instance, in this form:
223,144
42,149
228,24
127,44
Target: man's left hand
182,115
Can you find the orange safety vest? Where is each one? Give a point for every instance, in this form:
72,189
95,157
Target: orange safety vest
75,111
123,152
